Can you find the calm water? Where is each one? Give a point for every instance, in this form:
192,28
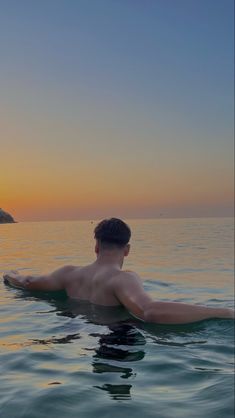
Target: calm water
60,359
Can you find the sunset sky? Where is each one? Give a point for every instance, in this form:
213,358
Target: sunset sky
116,108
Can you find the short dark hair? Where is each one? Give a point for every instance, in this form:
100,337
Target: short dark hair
112,232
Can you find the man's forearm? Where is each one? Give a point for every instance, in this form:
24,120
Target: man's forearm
182,313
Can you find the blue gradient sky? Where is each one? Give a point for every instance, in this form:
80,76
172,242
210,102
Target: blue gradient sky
116,107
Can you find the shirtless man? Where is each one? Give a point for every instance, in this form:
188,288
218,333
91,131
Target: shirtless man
105,283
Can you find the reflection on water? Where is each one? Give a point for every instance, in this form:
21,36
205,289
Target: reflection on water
99,367
117,338
114,345
117,392
64,340
124,335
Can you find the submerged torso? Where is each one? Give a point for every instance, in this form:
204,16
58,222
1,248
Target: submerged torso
94,283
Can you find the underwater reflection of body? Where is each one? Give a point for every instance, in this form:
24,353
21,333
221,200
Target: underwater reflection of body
117,392
110,351
117,339
118,344
110,341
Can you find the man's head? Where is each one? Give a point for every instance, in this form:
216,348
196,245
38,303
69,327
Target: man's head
112,234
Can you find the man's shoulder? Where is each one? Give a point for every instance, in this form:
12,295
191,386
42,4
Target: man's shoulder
68,268
127,276
68,271
131,274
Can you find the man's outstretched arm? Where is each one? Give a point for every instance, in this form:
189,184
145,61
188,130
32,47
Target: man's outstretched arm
48,282
131,294
183,313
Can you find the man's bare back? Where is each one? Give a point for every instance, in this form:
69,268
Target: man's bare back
94,283
105,283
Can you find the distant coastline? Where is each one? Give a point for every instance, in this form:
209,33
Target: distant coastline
6,218
129,219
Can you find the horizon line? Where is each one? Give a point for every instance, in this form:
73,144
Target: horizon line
127,218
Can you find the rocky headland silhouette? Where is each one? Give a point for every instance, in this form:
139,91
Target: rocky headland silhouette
6,218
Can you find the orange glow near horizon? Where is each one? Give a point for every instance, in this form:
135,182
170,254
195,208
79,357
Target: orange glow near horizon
36,184
70,192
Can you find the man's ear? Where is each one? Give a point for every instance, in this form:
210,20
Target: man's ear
127,250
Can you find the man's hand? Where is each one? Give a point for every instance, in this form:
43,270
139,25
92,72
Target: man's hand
14,279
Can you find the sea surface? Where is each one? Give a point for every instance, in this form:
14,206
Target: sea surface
64,359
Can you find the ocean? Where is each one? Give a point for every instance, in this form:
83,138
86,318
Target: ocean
64,359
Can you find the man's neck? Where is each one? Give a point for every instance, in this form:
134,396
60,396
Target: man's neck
110,258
